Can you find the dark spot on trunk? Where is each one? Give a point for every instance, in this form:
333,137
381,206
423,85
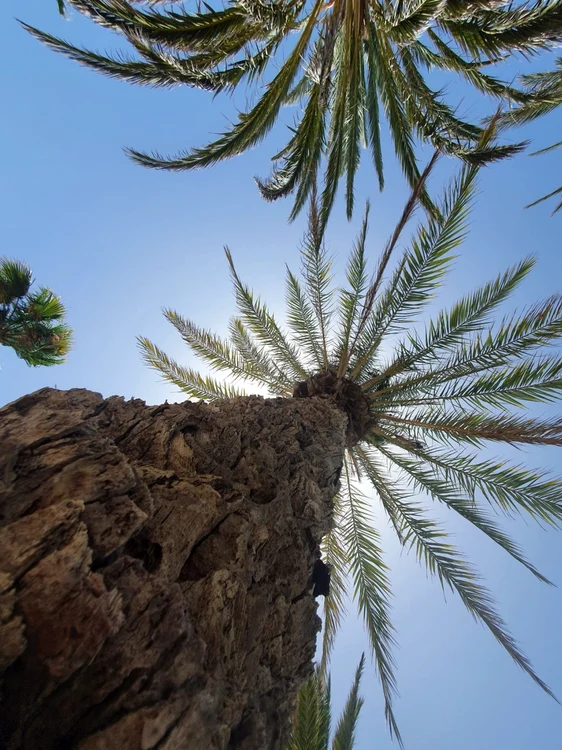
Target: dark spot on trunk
240,732
149,553
263,495
321,579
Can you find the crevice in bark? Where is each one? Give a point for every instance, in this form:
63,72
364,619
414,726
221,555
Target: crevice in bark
203,558
149,553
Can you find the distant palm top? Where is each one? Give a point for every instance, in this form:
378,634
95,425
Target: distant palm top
344,62
31,323
420,405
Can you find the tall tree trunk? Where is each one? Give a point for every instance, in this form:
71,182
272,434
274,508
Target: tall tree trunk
155,568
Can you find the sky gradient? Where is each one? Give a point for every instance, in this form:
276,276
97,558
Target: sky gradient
118,242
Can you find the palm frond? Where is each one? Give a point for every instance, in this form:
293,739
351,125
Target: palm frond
311,722
371,587
538,381
419,272
344,738
263,325
547,149
15,280
546,197
351,299
303,322
32,323
373,112
451,327
334,604
385,257
308,730
317,275
251,127
441,558
445,58
411,20
477,427
387,69
517,337
527,29
509,488
335,146
258,360
355,104
456,498
350,66
186,379
302,155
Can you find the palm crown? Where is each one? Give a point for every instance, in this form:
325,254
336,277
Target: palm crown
351,61
32,323
418,403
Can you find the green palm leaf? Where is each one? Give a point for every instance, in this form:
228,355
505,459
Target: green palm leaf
454,497
311,722
352,64
335,556
344,738
419,272
251,127
371,586
186,379
263,325
442,559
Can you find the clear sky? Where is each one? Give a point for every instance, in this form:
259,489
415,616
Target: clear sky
118,242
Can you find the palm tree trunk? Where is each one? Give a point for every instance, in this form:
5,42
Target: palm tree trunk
155,568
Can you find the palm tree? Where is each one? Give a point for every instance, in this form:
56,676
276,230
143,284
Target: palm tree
351,64
420,405
545,91
32,323
312,719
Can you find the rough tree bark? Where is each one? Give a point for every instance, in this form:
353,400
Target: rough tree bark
155,568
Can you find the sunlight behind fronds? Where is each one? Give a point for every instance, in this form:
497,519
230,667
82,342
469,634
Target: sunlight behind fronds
420,402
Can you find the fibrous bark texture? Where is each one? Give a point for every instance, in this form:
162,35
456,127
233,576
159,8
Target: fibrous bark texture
155,568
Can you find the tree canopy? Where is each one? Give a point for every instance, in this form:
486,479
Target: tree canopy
347,65
31,322
421,405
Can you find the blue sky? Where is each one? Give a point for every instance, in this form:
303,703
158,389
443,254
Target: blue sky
118,242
